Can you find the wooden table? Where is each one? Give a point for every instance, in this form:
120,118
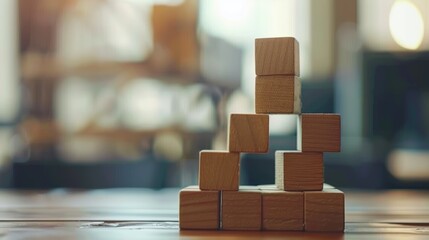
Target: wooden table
149,214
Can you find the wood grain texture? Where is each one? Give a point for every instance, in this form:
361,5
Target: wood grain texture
298,171
324,211
219,170
248,133
277,56
199,209
277,94
241,210
320,132
282,210
147,214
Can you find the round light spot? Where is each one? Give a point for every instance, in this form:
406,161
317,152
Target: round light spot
406,24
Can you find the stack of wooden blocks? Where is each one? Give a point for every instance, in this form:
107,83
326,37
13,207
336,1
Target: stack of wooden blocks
299,200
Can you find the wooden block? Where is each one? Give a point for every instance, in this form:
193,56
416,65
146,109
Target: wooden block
277,56
282,210
241,210
248,133
277,94
219,170
199,209
299,171
319,132
324,211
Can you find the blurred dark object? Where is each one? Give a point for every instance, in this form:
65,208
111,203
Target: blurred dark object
395,85
397,117
45,175
317,96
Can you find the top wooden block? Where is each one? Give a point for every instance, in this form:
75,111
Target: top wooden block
277,56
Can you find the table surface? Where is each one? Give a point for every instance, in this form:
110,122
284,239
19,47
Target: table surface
152,214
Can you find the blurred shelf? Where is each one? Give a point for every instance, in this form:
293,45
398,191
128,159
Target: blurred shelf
37,67
48,132
40,132
133,135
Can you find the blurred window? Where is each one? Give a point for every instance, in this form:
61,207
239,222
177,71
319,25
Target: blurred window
9,85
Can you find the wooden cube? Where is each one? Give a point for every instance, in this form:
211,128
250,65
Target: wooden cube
282,210
277,94
324,211
319,132
219,170
277,56
299,171
241,210
199,209
248,133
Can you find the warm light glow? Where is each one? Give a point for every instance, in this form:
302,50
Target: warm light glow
406,24
408,164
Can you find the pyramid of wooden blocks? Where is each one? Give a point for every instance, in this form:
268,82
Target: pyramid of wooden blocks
299,200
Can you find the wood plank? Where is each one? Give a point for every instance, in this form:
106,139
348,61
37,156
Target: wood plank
324,211
320,132
219,170
241,210
299,171
248,133
277,94
282,210
277,56
199,209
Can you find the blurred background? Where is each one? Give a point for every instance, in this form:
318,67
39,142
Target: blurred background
125,93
